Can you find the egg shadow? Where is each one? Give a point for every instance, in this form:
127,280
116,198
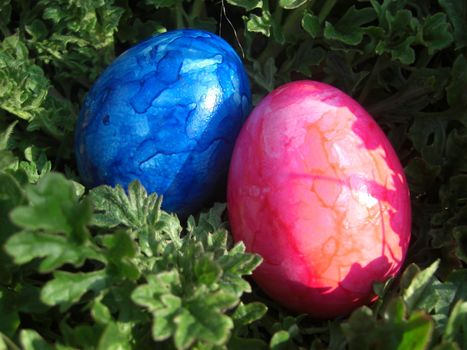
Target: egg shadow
340,301
373,138
355,289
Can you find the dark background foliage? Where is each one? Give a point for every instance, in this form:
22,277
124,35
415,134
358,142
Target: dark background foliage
107,269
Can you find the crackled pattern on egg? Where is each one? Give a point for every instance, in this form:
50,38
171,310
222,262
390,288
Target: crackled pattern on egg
166,112
317,190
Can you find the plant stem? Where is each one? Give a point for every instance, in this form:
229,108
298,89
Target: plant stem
4,30
326,9
274,48
9,342
395,101
197,9
294,18
179,15
271,50
366,89
278,14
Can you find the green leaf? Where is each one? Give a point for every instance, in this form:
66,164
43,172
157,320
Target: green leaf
237,343
137,210
447,346
396,310
457,89
265,75
421,175
417,332
56,119
137,29
9,317
207,271
429,138
260,24
67,288
199,322
24,299
11,195
5,136
37,29
435,33
36,165
160,284
7,159
54,207
235,264
348,29
81,37
197,284
307,57
418,288
311,24
55,250
120,245
2,343
164,320
457,13
460,235
280,340
113,207
396,34
208,222
455,146
394,331
100,312
359,327
402,51
5,12
339,67
291,4
83,336
246,4
446,292
113,339
246,314
161,3
457,324
197,318
24,86
120,254
31,340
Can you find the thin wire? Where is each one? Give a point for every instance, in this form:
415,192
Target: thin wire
223,13
220,18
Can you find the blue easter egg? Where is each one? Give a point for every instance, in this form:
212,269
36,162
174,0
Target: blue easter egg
166,112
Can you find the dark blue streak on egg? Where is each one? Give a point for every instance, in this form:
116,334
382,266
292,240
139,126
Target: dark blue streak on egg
166,112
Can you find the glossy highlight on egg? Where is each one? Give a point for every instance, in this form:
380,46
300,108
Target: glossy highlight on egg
317,190
166,112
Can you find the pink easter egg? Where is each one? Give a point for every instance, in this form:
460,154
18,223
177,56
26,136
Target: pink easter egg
317,190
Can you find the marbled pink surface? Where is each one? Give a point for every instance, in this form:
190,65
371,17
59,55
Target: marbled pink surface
317,190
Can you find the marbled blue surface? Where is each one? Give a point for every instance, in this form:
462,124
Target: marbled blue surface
166,112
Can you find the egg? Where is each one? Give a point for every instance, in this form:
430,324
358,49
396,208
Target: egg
317,190
166,112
